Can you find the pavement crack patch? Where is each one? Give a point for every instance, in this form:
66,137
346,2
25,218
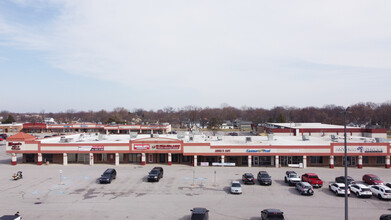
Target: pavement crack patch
89,194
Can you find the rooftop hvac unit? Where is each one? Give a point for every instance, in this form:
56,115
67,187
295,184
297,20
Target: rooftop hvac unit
248,139
270,137
191,138
154,135
219,138
180,136
133,134
305,137
66,140
334,138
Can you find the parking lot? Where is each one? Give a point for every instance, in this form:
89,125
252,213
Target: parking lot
42,194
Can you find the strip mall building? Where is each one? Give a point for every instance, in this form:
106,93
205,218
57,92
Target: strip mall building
306,147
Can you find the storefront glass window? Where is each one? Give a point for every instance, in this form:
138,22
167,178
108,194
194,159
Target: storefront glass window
316,159
380,160
365,160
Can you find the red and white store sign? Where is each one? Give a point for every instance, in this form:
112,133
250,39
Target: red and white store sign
156,146
141,146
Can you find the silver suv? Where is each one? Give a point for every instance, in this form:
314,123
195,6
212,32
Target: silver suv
304,188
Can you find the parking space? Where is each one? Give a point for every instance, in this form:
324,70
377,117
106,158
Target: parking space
42,194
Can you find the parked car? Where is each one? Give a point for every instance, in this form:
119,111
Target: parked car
291,178
236,187
264,178
312,179
305,188
155,174
233,134
108,176
199,214
372,179
1,139
338,188
3,136
385,217
248,178
274,214
382,192
361,190
341,179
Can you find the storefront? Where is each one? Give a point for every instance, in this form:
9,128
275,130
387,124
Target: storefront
119,149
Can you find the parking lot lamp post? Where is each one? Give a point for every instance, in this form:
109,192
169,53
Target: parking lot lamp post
346,165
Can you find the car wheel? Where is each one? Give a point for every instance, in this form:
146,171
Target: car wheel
310,191
357,194
336,192
330,187
285,180
379,196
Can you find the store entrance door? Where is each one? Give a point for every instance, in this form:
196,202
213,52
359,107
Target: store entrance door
352,161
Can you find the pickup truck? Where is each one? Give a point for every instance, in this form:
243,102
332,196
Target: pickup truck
312,179
292,178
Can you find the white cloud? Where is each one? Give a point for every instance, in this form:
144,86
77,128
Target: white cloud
210,46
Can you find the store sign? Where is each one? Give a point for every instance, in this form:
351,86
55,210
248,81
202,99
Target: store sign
14,146
222,151
156,146
361,149
97,148
141,146
258,150
166,147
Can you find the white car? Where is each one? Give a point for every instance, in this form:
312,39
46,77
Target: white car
382,192
338,188
360,190
236,187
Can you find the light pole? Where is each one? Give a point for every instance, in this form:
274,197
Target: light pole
346,165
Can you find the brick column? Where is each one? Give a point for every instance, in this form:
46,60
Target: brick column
117,159
331,164
65,159
195,161
39,159
277,161
304,161
388,161
143,159
360,162
169,159
14,160
249,161
91,159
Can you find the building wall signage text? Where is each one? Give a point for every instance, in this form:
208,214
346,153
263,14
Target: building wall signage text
14,146
156,146
258,150
360,149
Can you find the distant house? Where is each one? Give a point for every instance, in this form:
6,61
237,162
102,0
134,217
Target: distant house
227,125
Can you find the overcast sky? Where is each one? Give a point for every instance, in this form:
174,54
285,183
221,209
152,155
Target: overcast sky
91,55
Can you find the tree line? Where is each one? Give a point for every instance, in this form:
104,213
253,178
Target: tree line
368,114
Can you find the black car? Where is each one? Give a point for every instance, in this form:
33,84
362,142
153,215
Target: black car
341,179
388,185
274,214
248,178
108,175
199,214
264,178
4,136
155,175
385,217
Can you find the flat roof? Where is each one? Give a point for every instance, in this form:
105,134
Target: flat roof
82,138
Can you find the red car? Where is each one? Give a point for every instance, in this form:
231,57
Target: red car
312,179
372,179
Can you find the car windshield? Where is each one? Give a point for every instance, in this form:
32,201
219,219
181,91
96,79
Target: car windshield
248,175
293,175
342,187
235,184
265,175
197,216
365,189
376,178
307,187
154,172
388,191
313,177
